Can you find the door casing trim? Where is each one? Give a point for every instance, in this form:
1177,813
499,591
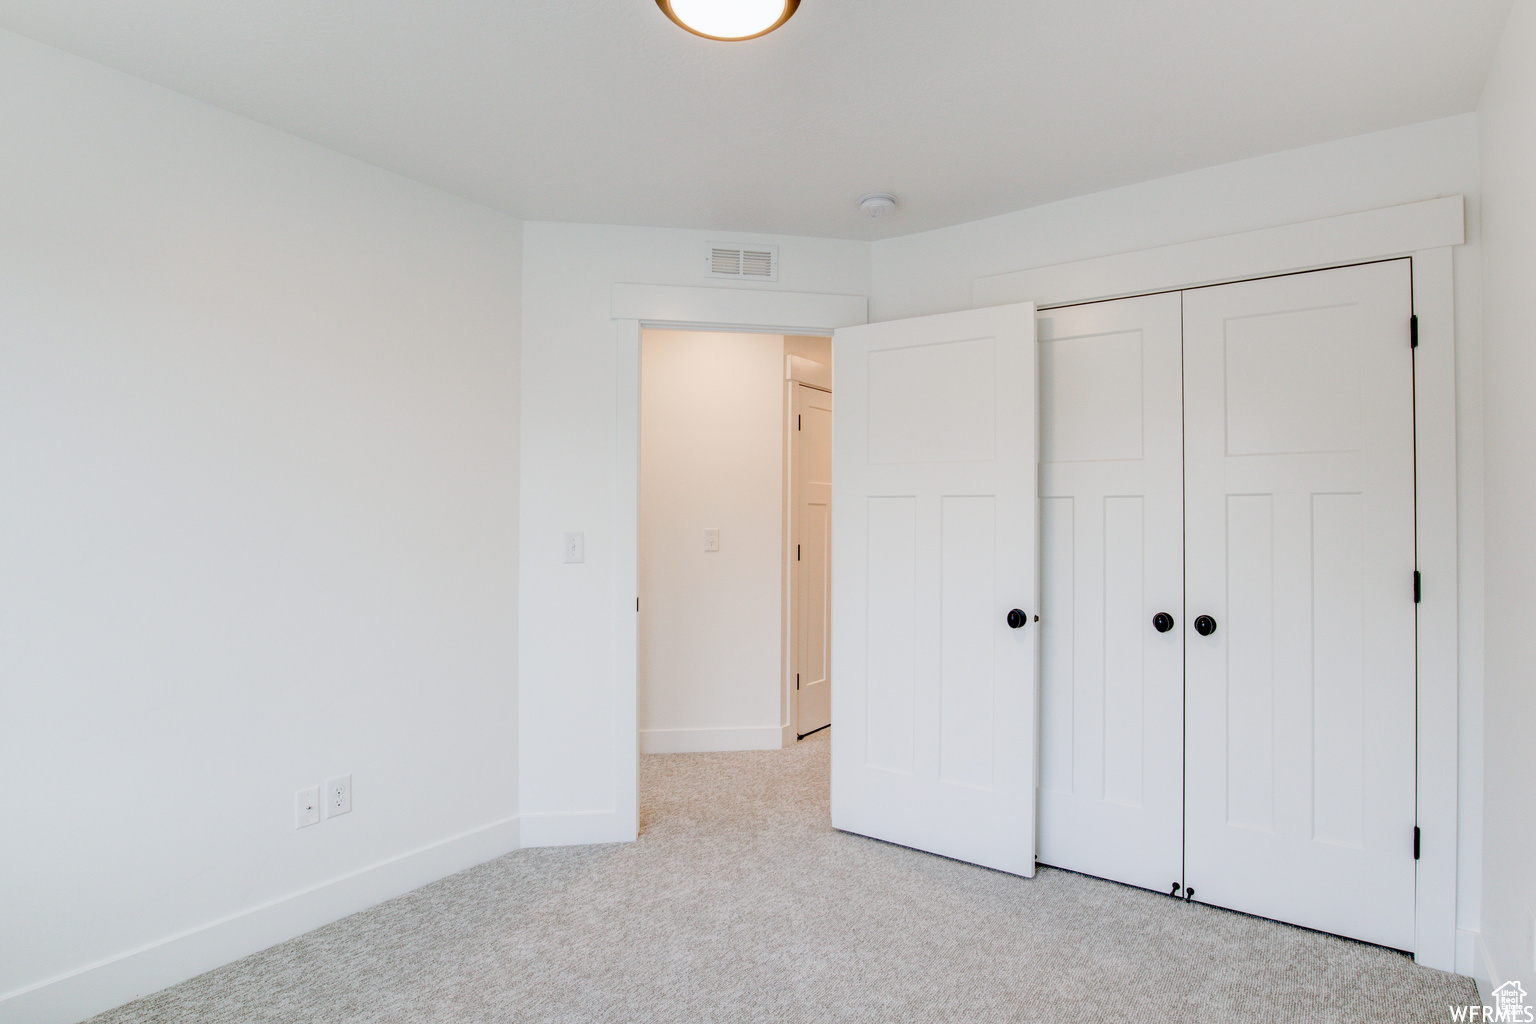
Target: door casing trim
634,308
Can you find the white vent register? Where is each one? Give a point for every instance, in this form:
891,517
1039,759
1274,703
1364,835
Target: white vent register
744,263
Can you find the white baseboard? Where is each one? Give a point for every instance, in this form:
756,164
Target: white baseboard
580,828
698,741
1466,952
787,737
101,986
1483,971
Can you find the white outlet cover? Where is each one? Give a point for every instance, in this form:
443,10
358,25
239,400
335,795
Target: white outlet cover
711,540
306,807
575,547
338,795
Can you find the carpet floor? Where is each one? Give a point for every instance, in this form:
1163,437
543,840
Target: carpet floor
741,903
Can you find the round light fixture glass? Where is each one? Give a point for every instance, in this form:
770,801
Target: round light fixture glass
729,20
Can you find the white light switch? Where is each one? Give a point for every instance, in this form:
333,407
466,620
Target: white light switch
306,807
711,540
575,547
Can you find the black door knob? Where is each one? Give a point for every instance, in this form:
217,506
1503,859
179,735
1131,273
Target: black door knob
1162,622
1205,625
1017,618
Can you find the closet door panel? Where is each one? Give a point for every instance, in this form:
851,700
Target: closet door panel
1111,559
1301,704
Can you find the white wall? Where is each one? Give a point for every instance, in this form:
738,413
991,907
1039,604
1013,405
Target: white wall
933,272
258,437
567,673
259,432
711,457
817,350
1507,127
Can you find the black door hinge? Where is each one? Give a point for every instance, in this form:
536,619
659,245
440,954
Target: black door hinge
797,686
1413,331
637,604
798,419
797,552
1417,589
1415,842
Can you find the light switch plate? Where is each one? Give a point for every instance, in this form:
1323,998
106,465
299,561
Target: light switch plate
575,547
338,795
306,807
711,540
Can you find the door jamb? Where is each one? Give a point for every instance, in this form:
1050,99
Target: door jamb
634,308
1426,232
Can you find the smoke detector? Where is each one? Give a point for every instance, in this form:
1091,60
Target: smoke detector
878,204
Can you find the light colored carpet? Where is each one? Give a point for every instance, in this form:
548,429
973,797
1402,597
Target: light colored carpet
740,903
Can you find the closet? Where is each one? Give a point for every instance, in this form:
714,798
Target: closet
1227,544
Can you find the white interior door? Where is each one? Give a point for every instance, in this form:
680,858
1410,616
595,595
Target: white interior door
1112,559
812,467
935,542
1301,703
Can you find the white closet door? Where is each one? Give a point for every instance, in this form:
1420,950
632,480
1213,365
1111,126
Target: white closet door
812,454
934,542
1112,558
1301,704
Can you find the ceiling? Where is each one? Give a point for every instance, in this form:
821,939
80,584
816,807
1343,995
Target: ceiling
604,111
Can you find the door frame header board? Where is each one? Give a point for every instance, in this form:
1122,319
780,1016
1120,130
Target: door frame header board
737,309
1311,245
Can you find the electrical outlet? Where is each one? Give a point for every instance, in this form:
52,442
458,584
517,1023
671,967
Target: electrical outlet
575,547
306,807
338,795
711,540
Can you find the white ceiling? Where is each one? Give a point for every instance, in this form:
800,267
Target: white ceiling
604,111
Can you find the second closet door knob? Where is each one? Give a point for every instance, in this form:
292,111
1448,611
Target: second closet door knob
1205,625
1162,622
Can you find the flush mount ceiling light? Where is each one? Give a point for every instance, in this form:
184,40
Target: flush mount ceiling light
729,20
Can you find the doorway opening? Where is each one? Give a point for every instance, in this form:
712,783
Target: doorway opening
733,623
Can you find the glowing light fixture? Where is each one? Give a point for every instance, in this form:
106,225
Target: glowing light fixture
729,20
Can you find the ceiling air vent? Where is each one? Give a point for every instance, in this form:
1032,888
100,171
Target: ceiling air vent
744,262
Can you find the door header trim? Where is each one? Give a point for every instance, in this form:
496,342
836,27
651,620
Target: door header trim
759,310
1310,245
